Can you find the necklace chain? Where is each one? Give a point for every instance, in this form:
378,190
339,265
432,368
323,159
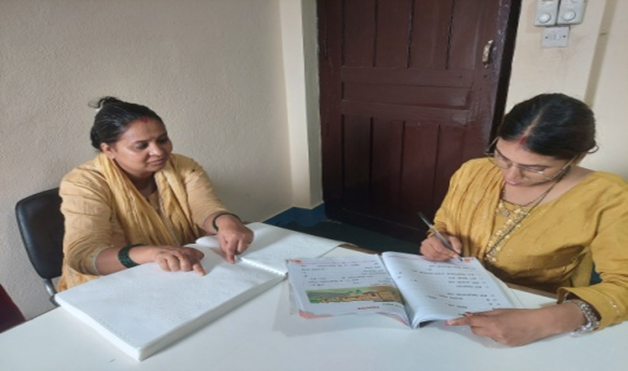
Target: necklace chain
519,208
538,198
511,223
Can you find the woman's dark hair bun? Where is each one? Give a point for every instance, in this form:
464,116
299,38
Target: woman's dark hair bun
104,101
112,118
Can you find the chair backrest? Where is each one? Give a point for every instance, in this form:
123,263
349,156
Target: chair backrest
40,222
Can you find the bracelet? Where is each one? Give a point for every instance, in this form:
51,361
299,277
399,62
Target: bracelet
221,214
123,255
593,322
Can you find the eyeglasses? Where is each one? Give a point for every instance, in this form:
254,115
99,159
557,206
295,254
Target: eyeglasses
528,172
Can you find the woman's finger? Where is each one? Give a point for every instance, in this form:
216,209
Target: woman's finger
185,263
194,254
174,262
433,251
163,264
242,246
229,248
198,268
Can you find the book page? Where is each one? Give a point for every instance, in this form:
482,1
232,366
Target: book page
145,308
444,290
334,286
273,245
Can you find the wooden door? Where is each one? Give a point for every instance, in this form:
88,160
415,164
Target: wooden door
410,89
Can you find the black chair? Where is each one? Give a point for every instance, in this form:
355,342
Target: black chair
40,222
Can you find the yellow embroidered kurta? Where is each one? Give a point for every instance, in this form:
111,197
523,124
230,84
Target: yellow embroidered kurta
555,246
102,209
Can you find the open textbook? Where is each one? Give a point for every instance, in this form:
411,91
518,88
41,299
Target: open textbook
143,309
404,286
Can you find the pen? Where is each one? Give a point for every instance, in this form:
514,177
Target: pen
440,237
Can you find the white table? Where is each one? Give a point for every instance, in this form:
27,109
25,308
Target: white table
265,334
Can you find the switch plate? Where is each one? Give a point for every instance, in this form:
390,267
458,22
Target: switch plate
571,11
555,37
546,12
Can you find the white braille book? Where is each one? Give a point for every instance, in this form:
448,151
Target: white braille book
144,309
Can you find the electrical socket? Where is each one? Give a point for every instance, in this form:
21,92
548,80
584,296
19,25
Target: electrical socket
555,37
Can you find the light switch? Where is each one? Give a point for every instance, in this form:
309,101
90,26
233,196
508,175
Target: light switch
546,12
571,11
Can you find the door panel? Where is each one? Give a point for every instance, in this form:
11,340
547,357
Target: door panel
431,34
405,99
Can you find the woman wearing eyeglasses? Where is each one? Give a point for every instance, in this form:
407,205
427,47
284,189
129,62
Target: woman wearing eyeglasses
537,219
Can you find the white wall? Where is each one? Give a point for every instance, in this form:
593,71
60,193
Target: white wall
299,38
593,67
212,69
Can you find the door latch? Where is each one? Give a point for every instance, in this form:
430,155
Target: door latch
486,55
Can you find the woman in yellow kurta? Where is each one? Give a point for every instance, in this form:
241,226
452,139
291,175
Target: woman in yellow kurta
137,202
537,219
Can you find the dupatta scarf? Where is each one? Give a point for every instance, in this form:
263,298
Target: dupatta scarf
140,221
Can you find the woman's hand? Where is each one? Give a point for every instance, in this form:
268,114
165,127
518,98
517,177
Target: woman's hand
514,327
172,259
233,236
432,249
169,258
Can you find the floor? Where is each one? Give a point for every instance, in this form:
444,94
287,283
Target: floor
361,237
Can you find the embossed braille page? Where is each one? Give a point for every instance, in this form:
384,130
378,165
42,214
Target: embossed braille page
144,308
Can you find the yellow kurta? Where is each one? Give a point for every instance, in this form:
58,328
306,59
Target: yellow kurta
555,246
98,215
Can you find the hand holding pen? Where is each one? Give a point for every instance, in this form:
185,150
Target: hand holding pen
432,251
